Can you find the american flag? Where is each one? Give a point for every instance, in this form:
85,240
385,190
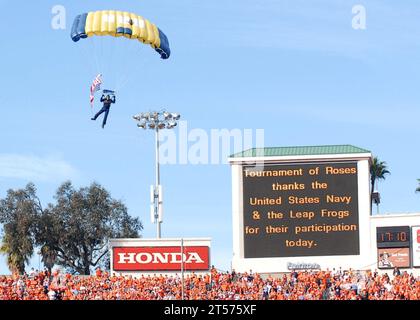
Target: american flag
96,86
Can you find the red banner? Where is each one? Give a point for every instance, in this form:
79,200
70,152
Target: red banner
160,258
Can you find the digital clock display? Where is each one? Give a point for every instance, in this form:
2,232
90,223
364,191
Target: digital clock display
393,237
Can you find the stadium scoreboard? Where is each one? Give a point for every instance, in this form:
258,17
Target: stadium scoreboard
393,237
300,209
393,246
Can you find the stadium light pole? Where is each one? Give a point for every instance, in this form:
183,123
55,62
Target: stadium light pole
157,120
182,269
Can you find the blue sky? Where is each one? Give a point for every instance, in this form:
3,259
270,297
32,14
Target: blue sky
296,69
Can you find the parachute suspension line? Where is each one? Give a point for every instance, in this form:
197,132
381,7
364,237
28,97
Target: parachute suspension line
113,59
112,55
101,52
126,63
95,55
121,61
90,67
123,76
87,57
133,70
88,54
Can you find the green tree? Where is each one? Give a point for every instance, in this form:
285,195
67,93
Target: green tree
378,171
19,212
74,232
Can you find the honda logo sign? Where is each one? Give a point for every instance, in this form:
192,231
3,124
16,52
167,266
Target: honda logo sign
161,258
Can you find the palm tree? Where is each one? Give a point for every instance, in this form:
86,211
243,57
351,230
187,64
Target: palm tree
16,259
418,188
378,170
18,214
48,257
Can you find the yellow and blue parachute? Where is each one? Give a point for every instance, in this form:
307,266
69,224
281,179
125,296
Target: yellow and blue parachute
120,24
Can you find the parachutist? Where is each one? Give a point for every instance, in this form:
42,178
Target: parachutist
107,100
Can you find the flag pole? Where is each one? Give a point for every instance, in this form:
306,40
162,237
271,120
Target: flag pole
182,268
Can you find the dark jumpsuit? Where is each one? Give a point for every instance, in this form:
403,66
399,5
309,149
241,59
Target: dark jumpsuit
105,108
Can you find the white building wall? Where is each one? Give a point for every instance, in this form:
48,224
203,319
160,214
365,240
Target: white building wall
390,220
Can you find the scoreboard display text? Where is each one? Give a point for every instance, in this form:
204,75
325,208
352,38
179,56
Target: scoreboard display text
393,237
300,210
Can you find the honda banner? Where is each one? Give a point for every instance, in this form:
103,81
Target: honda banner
168,258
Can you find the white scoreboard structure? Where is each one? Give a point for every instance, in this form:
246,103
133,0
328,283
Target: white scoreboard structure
310,208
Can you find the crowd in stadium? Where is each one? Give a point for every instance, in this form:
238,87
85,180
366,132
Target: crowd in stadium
302,285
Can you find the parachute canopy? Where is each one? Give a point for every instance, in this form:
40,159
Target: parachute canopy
120,24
